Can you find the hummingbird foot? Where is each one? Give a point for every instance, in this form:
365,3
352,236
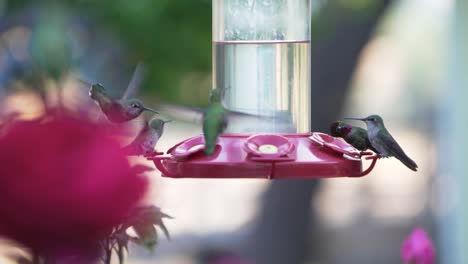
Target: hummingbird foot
365,153
372,156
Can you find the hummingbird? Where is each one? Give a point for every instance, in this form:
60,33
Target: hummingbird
383,142
355,136
146,140
214,121
117,111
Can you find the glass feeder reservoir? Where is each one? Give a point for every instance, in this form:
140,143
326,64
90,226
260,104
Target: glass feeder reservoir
261,57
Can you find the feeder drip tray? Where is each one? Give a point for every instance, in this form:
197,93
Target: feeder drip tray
271,156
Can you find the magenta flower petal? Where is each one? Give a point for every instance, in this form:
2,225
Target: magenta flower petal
418,248
64,183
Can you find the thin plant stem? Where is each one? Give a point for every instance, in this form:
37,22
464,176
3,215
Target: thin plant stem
108,249
35,258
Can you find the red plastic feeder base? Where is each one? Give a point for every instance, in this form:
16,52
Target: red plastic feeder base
271,156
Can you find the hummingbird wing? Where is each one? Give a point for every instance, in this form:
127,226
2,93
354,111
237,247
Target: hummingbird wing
366,142
183,113
135,82
195,115
395,150
357,137
114,110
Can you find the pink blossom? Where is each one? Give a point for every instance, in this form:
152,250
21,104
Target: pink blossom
418,248
64,183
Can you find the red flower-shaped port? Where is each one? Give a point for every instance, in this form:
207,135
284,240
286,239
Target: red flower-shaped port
268,145
64,183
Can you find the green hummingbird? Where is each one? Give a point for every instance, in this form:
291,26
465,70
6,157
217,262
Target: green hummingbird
355,136
383,142
146,140
214,120
117,111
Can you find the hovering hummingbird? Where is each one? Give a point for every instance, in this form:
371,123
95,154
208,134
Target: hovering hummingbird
146,140
214,120
117,111
355,136
383,142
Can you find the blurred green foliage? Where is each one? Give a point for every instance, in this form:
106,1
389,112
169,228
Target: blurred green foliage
50,48
172,38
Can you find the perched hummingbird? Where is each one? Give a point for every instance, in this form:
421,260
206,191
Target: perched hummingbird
117,111
214,121
383,142
355,136
146,140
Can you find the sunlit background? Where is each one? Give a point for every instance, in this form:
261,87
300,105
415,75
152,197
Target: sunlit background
402,66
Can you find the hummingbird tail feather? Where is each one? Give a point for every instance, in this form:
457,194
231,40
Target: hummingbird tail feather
209,149
409,163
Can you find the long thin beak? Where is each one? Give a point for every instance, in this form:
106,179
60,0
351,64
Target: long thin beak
149,109
167,121
354,118
84,82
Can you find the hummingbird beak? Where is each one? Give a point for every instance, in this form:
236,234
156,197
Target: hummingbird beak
149,109
167,121
354,118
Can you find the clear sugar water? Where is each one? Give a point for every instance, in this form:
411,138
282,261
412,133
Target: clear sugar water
261,58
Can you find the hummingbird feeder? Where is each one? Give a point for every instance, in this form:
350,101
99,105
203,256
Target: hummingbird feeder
261,58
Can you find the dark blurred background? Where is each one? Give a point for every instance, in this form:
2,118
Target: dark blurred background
386,57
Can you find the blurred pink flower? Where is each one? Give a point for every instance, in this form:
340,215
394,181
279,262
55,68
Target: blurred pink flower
64,183
418,248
